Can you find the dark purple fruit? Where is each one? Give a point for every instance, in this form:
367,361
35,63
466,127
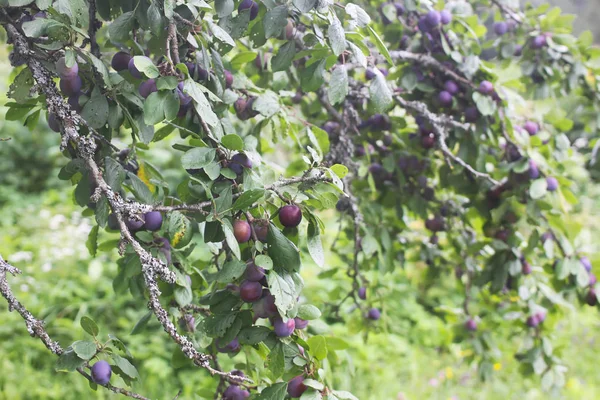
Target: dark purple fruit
74,103
471,325
241,159
296,387
591,298
261,228
120,61
101,372
254,273
133,69
251,5
374,314
435,224
539,41
587,264
153,221
250,291
284,328
362,293
53,122
445,17
486,87
451,87
290,215
70,86
134,224
242,231
471,114
531,127
551,183
533,171
433,18
300,323
147,87
231,347
445,98
112,222
228,79
500,28
265,307
234,392
526,268
64,71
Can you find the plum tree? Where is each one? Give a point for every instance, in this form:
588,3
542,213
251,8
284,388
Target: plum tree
436,140
101,372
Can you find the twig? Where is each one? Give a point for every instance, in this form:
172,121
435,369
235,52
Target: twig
437,122
509,12
94,48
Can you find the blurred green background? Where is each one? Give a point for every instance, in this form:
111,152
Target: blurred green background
409,354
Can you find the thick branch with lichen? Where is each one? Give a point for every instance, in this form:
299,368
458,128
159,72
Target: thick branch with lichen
85,149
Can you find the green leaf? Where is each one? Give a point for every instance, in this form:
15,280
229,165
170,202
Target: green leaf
232,142
126,366
340,170
282,61
335,343
84,349
315,247
311,394
380,92
180,229
166,83
221,34
159,106
141,324
267,104
263,261
311,78
338,85
183,295
198,157
308,312
485,104
318,346
114,174
275,20
140,189
248,198
203,107
538,188
380,45
230,238
215,325
231,271
253,335
283,290
304,5
276,391
89,326
39,27
68,361
343,395
283,252
76,10
92,241
155,19
120,29
276,361
337,37
224,7
360,16
95,111
146,66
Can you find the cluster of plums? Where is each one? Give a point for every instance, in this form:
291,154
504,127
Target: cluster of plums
70,85
151,221
290,216
235,392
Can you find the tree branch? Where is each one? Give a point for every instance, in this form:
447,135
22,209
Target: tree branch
35,327
94,48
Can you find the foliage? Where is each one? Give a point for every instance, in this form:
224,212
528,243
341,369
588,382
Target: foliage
439,144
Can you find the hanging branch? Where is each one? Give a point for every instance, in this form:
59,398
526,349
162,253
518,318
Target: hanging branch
35,327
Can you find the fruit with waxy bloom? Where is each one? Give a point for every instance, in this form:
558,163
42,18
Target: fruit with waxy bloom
296,387
231,347
101,372
147,88
587,264
234,392
300,323
531,127
500,28
284,328
374,314
261,229
471,325
228,79
362,293
153,221
53,122
445,17
250,291
70,86
552,183
64,71
253,272
486,87
249,5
